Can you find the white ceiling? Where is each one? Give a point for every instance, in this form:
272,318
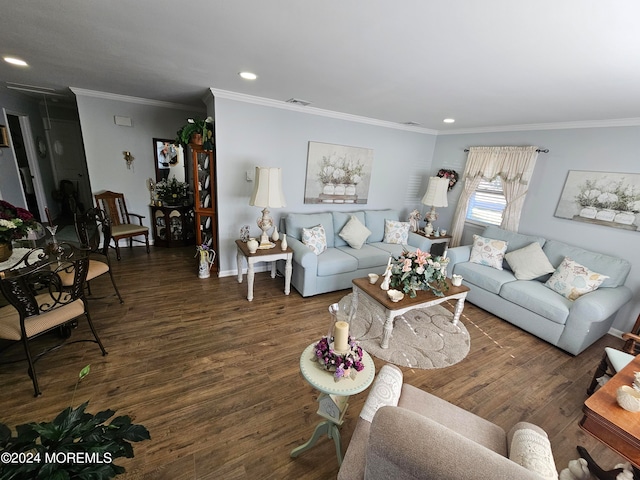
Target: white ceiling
486,63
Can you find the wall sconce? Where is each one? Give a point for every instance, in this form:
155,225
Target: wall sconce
128,158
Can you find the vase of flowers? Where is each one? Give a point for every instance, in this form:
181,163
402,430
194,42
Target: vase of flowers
413,271
172,192
15,222
342,365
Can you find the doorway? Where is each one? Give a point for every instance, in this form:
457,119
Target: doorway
28,170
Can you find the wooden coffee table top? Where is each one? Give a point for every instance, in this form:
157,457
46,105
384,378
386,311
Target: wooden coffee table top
422,296
609,422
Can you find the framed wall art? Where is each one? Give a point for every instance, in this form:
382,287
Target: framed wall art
601,198
4,137
337,173
169,160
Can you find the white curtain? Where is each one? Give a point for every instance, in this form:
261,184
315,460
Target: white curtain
513,164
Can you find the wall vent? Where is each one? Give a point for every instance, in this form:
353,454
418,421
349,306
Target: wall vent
298,101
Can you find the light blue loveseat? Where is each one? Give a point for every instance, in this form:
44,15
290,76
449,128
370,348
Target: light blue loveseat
339,264
529,304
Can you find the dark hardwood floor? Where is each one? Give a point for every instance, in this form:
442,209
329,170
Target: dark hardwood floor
215,378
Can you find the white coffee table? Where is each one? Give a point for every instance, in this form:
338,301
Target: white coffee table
378,300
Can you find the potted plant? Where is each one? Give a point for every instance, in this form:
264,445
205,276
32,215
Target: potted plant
198,132
75,445
15,223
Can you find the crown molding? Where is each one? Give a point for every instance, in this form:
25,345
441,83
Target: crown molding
620,122
268,102
138,100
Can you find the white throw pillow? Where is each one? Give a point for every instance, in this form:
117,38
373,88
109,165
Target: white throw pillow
396,232
315,238
571,280
487,251
354,233
529,262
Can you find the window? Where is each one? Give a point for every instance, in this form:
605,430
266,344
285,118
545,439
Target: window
487,203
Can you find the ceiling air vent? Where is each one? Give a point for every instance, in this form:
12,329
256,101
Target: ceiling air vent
412,124
298,101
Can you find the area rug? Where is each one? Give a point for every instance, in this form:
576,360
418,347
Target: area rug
422,338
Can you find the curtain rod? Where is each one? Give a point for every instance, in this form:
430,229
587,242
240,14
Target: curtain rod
540,150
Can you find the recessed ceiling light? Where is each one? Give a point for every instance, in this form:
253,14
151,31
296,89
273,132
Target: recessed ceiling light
449,120
15,61
248,75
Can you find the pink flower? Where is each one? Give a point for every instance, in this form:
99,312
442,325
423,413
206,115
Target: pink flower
421,257
406,266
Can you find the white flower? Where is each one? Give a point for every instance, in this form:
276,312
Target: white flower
356,179
607,197
420,270
7,223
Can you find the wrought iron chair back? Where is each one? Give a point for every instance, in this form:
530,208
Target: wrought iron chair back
88,227
39,302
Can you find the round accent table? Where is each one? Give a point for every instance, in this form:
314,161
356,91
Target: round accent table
333,397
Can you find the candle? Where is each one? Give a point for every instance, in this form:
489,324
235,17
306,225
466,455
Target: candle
341,336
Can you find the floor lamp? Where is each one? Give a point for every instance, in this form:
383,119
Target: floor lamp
267,193
435,196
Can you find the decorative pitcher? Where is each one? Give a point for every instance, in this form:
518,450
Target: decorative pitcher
205,263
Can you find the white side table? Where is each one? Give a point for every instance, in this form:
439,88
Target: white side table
267,255
323,381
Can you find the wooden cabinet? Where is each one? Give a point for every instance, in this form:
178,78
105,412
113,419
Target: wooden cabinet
203,176
173,226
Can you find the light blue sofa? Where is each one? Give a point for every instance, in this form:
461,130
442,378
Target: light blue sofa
339,264
570,325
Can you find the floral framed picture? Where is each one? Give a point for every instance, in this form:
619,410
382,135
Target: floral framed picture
601,198
337,174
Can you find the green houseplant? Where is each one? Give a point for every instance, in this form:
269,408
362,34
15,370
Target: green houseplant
195,127
75,445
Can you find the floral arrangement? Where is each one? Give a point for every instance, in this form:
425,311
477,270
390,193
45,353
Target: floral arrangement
452,175
614,196
171,192
339,170
413,271
204,127
344,365
15,222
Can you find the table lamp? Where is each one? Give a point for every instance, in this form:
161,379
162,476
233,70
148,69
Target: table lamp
436,196
267,193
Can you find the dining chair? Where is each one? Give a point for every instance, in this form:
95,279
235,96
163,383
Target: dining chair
115,207
39,303
614,359
89,225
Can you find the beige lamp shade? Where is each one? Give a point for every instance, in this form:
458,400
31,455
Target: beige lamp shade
436,195
268,188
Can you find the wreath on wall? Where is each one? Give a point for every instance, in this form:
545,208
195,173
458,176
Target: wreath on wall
452,175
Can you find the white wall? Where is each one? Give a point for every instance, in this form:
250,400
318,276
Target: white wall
250,135
10,186
606,149
105,141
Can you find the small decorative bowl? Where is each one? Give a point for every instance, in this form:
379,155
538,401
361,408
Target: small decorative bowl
395,295
628,398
